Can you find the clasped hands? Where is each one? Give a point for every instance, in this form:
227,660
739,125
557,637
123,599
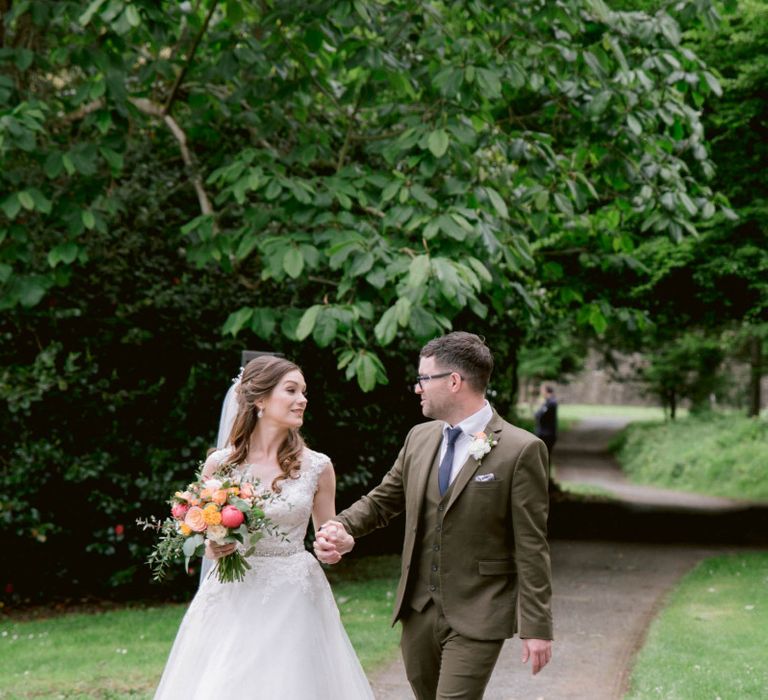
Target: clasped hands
332,541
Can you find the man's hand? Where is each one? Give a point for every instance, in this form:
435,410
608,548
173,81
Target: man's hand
332,541
539,650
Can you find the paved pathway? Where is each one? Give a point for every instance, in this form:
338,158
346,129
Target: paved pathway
582,456
604,593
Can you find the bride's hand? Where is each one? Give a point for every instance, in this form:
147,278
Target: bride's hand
217,551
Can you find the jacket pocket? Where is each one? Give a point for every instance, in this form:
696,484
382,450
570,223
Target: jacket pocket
496,567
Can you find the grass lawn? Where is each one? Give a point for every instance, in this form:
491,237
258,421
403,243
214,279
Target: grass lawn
568,414
120,654
718,454
710,640
575,412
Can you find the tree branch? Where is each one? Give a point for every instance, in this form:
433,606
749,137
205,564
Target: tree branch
156,110
183,71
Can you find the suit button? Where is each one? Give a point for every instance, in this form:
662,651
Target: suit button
441,507
433,588
436,547
434,567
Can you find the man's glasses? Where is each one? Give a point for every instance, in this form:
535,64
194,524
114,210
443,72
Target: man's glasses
426,377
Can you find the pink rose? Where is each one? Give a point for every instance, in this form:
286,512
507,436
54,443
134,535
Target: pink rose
195,519
179,510
231,516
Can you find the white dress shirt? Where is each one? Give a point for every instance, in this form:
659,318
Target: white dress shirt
476,423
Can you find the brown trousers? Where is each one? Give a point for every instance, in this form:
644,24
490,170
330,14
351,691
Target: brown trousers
440,663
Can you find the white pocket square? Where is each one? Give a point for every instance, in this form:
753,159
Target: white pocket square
485,477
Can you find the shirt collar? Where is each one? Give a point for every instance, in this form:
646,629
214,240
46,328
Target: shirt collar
475,423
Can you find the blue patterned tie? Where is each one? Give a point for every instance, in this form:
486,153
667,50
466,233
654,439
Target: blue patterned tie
444,472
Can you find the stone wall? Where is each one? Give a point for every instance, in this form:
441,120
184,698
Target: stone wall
598,385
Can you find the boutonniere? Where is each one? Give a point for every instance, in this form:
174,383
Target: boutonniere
481,445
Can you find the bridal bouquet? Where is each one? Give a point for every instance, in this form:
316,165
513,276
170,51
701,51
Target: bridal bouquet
224,508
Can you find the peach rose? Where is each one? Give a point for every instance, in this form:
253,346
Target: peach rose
195,519
206,494
220,497
231,516
246,489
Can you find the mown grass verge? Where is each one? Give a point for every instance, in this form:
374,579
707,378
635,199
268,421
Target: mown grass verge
120,654
710,639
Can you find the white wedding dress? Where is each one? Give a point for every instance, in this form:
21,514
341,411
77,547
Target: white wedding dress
277,635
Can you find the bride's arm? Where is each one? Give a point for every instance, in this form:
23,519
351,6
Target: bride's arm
333,541
324,506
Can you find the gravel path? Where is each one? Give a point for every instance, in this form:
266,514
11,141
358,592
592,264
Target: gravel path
604,593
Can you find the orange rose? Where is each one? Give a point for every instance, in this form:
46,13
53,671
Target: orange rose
195,519
220,497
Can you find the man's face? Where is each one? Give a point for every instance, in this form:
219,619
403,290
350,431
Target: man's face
435,394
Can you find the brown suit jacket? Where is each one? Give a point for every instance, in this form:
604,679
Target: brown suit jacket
494,558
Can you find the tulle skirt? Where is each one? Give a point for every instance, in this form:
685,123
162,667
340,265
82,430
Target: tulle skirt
275,636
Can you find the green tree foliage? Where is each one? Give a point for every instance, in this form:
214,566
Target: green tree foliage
715,285
685,367
737,125
367,170
336,180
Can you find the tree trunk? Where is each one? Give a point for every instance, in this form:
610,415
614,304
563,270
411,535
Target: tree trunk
755,374
672,404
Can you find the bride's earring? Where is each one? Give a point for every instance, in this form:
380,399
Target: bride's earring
260,413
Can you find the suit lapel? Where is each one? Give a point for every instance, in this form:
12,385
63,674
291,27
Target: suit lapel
469,467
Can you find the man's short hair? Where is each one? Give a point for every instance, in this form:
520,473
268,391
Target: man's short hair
465,353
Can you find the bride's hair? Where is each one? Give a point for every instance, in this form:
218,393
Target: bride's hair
260,377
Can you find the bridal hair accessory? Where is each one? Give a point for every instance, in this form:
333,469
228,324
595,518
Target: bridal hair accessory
481,445
239,376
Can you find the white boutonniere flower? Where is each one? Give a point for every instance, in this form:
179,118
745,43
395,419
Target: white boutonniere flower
481,445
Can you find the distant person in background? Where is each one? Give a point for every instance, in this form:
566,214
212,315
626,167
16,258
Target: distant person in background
546,418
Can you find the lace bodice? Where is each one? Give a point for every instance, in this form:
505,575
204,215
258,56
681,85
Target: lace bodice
289,510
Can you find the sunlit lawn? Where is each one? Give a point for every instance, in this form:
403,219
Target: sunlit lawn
576,412
121,653
569,414
710,641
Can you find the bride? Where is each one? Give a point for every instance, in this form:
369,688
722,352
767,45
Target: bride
277,635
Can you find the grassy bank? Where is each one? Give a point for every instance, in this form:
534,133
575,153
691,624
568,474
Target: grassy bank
120,654
719,455
709,641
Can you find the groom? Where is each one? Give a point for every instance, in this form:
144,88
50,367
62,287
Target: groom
475,565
